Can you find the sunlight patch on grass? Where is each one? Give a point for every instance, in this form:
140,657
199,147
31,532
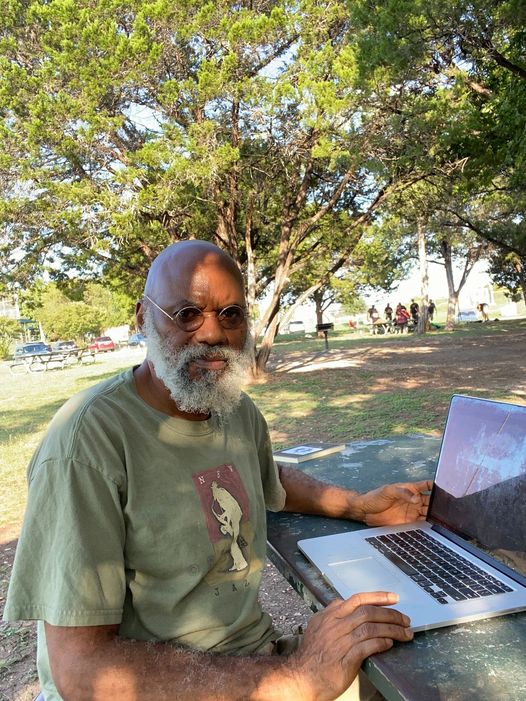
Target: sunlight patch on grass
349,399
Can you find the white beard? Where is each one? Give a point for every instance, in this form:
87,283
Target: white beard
217,391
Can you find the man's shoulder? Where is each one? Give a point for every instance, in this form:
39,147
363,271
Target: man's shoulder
80,403
247,408
246,403
84,429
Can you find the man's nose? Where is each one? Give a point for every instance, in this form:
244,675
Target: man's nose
211,331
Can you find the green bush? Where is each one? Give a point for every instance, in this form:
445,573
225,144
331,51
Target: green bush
9,335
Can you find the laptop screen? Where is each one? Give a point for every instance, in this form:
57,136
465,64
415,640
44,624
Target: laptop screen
480,484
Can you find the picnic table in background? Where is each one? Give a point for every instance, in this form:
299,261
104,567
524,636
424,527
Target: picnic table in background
379,327
54,360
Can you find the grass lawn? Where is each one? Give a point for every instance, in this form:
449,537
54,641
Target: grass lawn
375,386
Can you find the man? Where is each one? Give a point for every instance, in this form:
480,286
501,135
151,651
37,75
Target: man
374,317
388,312
414,309
483,309
431,308
372,314
144,538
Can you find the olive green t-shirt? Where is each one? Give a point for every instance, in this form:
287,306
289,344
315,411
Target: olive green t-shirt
151,522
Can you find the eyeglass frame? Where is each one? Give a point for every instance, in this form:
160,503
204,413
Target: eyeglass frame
217,312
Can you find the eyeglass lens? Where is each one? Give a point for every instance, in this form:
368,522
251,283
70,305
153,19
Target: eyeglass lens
191,318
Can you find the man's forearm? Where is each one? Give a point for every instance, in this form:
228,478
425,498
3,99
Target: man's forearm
124,670
307,495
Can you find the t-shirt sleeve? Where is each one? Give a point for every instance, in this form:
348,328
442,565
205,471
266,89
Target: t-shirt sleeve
69,566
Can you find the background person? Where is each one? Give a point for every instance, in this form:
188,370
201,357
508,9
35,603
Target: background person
431,308
483,309
144,538
402,317
372,314
414,310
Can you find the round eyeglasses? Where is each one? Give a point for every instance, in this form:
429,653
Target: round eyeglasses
191,318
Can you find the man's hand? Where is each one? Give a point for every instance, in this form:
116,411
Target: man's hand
338,639
395,504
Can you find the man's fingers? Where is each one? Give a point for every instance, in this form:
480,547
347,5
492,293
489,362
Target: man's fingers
373,638
366,598
370,598
415,487
424,485
366,648
373,629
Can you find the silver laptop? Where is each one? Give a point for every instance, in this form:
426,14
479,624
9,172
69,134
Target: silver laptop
467,560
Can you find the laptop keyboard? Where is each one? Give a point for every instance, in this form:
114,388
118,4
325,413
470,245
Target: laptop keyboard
441,572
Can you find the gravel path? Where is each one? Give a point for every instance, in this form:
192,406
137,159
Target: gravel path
278,598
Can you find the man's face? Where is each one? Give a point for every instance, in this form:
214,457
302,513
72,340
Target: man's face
203,369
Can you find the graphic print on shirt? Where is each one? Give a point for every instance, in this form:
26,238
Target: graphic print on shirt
226,509
229,518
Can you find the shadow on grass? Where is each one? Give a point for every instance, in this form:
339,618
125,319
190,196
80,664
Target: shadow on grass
378,391
19,422
345,339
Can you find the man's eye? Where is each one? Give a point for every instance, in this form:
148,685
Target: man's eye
188,314
232,314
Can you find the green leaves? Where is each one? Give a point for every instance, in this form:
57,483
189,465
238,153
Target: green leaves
276,129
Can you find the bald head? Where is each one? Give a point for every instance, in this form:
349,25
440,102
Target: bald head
194,368
180,261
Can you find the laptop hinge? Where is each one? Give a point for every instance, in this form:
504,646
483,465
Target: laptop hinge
488,559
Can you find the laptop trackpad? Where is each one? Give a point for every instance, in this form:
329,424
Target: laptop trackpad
367,574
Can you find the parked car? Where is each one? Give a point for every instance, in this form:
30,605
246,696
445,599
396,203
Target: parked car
467,315
101,344
64,346
137,339
34,348
295,327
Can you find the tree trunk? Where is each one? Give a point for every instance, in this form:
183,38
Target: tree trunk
251,266
263,354
452,301
473,256
452,309
318,301
423,321
521,274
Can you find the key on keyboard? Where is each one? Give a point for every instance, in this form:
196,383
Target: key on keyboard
438,570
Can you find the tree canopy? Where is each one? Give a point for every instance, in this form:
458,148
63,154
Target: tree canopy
83,311
276,129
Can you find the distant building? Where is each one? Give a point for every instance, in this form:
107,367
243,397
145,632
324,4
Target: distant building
9,308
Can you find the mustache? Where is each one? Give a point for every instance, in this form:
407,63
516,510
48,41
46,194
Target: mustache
204,352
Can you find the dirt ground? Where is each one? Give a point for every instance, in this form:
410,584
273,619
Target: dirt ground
495,361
